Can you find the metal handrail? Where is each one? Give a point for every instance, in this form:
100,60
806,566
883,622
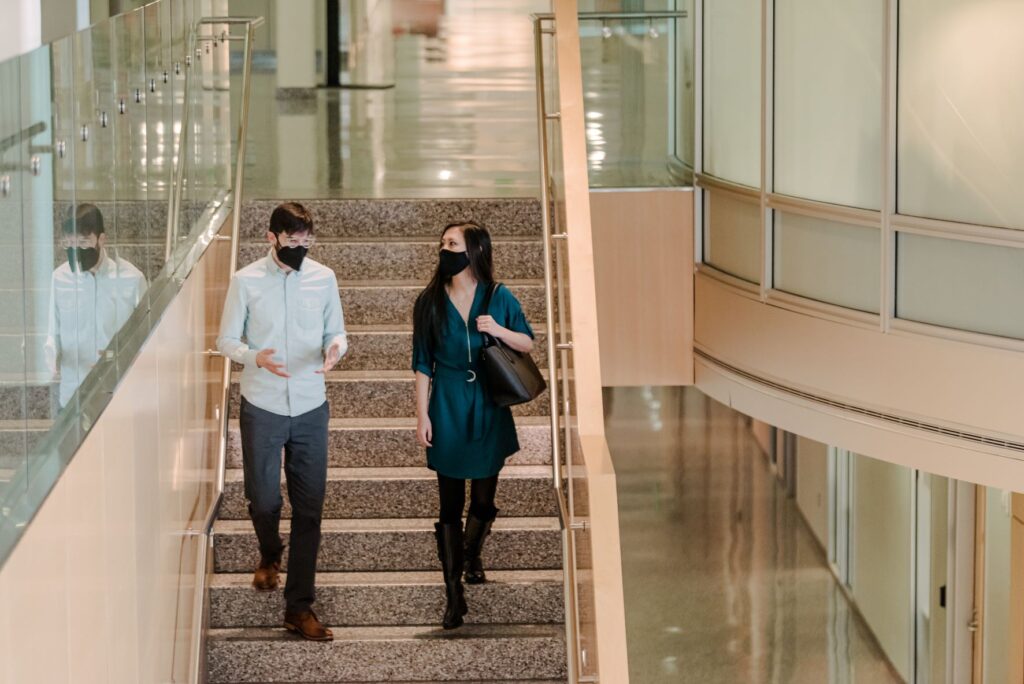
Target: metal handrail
553,353
251,23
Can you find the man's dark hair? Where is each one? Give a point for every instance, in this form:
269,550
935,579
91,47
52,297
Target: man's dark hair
290,217
84,219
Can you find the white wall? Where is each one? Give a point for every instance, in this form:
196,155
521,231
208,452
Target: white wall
812,486
882,554
21,28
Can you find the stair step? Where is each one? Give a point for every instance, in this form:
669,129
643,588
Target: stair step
391,442
382,394
389,347
361,654
385,302
402,217
354,259
37,401
380,545
403,493
393,598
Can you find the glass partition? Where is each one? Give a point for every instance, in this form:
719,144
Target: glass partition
828,99
960,108
637,118
732,234
115,154
828,261
960,284
732,91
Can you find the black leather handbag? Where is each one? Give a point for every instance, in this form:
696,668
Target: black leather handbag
510,377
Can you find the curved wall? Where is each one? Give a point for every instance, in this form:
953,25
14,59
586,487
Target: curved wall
864,290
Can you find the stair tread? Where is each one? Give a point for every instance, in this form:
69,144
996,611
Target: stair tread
351,284
406,328
537,523
397,633
365,375
408,423
391,240
234,580
509,472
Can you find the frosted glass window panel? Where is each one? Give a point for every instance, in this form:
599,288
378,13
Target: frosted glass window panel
732,235
832,262
961,108
732,91
957,284
828,100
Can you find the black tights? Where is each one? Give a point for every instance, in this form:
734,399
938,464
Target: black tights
453,498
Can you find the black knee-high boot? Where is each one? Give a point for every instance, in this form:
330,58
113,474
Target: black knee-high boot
477,530
449,551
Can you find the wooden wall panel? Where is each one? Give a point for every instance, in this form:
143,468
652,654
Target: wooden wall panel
643,263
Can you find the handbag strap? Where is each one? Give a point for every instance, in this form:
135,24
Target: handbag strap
491,289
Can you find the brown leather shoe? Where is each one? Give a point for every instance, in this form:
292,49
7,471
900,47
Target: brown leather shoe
307,625
266,577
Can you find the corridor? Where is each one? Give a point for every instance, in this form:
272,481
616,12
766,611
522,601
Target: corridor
723,581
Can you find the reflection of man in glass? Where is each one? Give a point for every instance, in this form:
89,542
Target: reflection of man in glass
91,297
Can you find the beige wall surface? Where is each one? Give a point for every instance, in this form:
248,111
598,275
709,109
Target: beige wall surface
812,486
882,554
955,383
948,383
102,586
643,266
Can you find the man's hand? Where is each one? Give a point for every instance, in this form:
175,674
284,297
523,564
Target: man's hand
264,360
331,358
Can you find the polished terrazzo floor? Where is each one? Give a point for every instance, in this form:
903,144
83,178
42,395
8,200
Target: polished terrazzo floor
459,122
461,118
723,580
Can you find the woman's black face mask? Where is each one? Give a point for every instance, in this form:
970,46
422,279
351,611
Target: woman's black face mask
452,263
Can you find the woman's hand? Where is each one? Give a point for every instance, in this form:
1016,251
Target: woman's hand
424,432
487,324
515,340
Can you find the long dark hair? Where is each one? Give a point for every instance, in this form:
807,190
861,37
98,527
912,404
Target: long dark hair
430,314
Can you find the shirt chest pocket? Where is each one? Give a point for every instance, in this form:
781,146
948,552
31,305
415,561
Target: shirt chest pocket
311,315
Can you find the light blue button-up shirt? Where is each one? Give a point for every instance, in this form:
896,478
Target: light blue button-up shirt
86,311
298,313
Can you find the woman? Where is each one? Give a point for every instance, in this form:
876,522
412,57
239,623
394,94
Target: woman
465,434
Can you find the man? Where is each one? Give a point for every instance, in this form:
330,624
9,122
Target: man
287,310
92,295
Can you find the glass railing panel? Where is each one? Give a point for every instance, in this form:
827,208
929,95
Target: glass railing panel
93,138
629,91
159,131
205,176
13,385
41,244
133,248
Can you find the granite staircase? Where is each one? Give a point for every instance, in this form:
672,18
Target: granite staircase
379,579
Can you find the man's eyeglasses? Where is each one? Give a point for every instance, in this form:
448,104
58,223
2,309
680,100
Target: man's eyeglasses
79,243
306,242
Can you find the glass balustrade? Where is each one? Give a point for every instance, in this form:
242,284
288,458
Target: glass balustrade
115,172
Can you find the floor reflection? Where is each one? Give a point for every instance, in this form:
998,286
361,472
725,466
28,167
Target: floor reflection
460,122
723,580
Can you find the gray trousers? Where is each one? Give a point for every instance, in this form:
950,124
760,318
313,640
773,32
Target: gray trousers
304,441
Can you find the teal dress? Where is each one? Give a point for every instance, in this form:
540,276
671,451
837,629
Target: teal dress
472,436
